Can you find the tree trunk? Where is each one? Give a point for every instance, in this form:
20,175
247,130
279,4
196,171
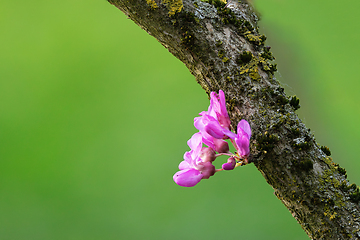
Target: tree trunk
221,46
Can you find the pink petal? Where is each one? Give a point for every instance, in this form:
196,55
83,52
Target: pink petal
187,178
190,157
242,144
245,126
215,130
195,142
184,165
224,121
187,157
208,140
223,104
229,133
199,123
214,107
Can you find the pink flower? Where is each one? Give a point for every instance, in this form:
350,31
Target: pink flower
194,168
207,122
214,128
217,109
242,139
215,122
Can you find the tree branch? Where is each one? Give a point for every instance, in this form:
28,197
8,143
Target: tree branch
221,46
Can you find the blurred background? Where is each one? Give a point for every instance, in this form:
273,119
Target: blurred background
95,115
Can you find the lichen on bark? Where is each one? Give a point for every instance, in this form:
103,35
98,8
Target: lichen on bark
222,47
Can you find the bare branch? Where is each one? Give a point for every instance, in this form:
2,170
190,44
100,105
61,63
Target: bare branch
221,46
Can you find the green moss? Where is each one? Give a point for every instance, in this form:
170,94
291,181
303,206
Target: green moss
188,39
251,69
229,17
254,74
186,21
355,196
273,68
342,171
301,146
282,100
326,150
248,25
266,54
221,53
244,58
305,165
256,39
232,103
328,160
329,212
219,43
295,102
267,66
353,190
278,96
216,3
295,132
173,6
346,188
225,60
266,142
279,122
152,4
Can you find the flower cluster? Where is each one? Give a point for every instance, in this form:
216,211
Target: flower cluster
214,129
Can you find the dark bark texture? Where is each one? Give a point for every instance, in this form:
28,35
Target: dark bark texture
221,46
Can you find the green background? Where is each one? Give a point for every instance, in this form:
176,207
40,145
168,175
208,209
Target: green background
95,115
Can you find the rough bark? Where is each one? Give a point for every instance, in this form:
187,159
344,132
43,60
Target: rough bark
223,49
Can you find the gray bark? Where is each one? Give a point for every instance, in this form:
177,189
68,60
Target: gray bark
223,49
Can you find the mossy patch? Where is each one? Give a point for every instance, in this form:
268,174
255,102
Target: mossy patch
326,150
295,132
174,6
355,196
250,68
301,143
219,43
267,54
266,142
152,4
305,165
329,213
188,39
244,58
295,102
221,53
185,21
256,39
225,60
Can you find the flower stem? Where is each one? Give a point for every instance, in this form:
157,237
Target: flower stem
227,154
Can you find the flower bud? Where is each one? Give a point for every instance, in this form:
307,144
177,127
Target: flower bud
206,169
207,154
221,146
230,165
